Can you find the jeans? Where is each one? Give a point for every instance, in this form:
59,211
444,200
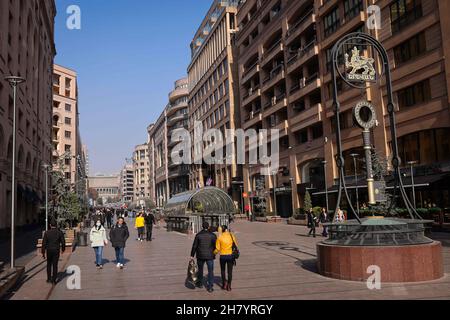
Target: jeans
210,264
120,255
98,255
228,263
141,231
52,265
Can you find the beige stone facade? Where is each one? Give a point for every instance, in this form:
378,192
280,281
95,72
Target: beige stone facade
213,92
66,138
107,187
141,168
26,49
285,83
166,178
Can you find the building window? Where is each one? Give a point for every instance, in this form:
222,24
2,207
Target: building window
67,147
68,108
68,121
68,176
302,136
410,49
317,131
352,8
404,12
415,94
68,134
331,22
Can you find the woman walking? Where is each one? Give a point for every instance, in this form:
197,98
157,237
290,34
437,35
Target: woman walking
140,226
98,242
224,246
119,235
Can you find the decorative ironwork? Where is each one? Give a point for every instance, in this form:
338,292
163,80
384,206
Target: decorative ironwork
375,230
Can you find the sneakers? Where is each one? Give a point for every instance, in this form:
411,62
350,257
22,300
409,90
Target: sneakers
118,265
121,266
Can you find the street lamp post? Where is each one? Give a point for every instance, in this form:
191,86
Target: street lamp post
46,167
354,155
326,184
242,199
411,164
275,192
292,192
14,82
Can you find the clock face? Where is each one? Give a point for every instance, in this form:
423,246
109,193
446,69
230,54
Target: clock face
365,115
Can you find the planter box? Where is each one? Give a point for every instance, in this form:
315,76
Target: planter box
9,278
275,219
261,219
297,222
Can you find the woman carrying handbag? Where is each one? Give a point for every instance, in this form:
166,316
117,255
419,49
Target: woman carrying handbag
226,246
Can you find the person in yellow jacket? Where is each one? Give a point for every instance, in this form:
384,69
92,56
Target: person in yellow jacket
140,226
224,246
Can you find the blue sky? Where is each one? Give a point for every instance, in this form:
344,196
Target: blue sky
127,54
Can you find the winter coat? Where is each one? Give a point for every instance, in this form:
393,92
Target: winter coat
53,241
98,237
204,245
150,220
224,244
140,222
119,236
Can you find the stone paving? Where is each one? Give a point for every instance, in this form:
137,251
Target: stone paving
277,262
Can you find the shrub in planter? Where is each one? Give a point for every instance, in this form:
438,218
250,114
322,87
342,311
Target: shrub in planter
317,211
271,214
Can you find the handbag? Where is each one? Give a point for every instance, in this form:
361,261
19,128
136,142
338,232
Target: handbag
192,273
235,249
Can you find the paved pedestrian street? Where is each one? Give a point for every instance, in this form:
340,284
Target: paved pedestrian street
277,262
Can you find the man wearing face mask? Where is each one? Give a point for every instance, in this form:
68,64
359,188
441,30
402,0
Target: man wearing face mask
98,242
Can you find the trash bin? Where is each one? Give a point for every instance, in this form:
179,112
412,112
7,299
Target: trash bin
82,239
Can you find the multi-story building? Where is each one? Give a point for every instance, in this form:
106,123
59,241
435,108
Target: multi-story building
107,188
167,178
213,93
141,168
127,184
26,49
66,128
285,82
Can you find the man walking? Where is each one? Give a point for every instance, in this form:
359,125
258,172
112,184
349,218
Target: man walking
52,244
312,223
149,222
109,218
203,248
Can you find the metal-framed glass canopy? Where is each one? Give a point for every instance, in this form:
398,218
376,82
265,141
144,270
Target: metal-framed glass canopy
213,201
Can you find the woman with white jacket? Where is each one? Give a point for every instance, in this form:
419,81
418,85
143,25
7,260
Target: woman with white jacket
98,242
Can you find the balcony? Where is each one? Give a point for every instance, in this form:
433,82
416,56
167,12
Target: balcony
306,118
270,53
303,55
276,104
306,86
174,108
176,118
275,76
251,95
253,118
282,128
178,93
304,22
250,72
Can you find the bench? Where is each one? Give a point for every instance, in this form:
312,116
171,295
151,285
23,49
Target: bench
275,219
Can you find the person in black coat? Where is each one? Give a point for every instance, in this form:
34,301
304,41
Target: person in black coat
324,219
149,222
52,244
203,248
312,223
118,236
